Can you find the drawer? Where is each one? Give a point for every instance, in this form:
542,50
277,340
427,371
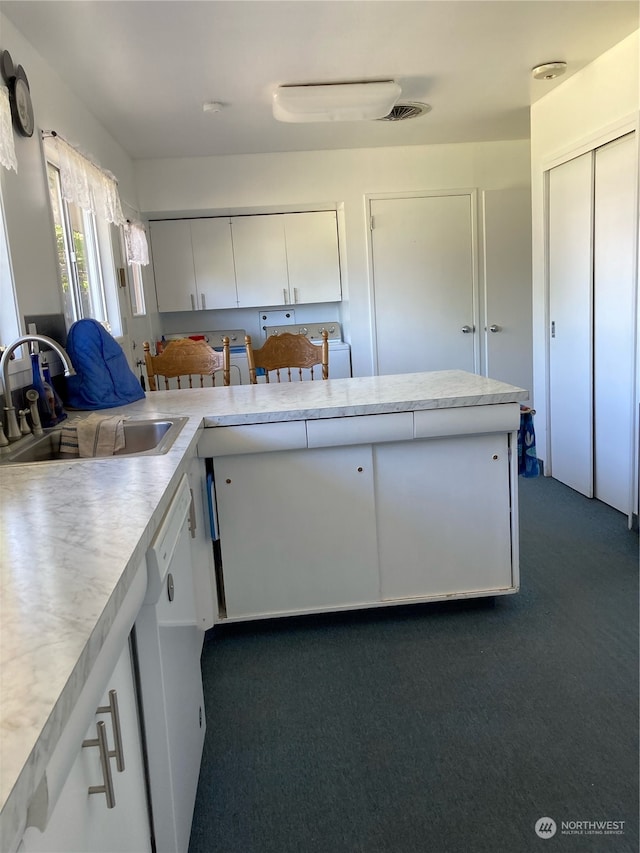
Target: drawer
252,438
467,420
360,429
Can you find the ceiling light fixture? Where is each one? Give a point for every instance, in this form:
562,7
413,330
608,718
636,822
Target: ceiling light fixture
212,107
335,101
549,71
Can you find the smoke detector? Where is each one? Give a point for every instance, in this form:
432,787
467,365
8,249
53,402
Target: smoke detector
548,71
406,110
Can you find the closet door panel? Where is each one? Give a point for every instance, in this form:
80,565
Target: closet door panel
424,262
570,315
614,246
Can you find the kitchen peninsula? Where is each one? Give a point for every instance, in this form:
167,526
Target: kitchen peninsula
396,471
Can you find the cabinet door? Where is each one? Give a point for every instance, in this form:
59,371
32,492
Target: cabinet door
173,265
444,516
213,263
312,256
82,822
297,530
260,260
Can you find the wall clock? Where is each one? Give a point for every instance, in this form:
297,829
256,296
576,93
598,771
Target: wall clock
21,106
19,94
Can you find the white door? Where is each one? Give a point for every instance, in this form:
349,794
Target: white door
312,256
424,283
213,263
570,315
260,260
507,275
614,247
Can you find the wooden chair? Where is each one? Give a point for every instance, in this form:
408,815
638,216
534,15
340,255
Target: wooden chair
185,357
287,351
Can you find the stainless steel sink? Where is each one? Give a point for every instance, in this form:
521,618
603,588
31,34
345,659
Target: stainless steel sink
142,438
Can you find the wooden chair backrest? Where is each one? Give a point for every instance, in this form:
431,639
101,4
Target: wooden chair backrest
187,358
286,351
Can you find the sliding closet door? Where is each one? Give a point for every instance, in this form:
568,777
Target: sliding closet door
613,264
570,315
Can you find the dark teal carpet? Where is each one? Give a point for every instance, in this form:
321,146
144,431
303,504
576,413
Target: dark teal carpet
447,728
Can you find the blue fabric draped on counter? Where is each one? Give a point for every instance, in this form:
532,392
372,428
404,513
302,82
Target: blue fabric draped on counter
528,465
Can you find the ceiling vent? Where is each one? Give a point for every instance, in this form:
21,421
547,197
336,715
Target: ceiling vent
406,110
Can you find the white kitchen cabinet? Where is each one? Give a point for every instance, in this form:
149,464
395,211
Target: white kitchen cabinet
286,259
313,264
81,821
444,516
297,530
193,264
260,259
173,268
213,264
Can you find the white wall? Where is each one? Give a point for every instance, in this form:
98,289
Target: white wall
595,105
340,179
25,194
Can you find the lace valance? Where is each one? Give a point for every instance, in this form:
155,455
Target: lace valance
135,238
7,143
86,184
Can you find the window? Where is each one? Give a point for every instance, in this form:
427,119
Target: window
79,260
9,327
138,307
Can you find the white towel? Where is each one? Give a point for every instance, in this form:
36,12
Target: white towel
100,436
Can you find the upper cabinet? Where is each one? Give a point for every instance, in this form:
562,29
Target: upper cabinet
261,260
193,264
311,241
246,261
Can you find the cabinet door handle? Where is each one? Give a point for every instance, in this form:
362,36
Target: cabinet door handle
495,328
193,302
466,330
101,742
112,708
295,294
193,526
285,296
203,301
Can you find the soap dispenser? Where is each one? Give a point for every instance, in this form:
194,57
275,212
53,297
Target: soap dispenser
46,408
54,399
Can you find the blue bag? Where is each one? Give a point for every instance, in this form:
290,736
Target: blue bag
104,378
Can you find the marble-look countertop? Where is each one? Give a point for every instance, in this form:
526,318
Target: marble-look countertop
74,533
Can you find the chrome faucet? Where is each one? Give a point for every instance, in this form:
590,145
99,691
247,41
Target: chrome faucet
13,430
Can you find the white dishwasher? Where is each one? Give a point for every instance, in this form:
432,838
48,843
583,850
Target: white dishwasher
169,644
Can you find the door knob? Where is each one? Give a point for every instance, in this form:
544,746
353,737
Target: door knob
495,328
467,330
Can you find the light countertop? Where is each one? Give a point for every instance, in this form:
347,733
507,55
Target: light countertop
74,532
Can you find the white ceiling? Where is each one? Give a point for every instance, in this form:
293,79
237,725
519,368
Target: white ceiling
146,68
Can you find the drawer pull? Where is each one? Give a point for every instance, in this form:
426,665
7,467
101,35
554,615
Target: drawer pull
107,787
112,708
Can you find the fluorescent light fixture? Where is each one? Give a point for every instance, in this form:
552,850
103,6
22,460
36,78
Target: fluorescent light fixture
335,101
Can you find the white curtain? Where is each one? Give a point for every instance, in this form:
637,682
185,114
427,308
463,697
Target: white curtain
84,183
7,144
135,238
